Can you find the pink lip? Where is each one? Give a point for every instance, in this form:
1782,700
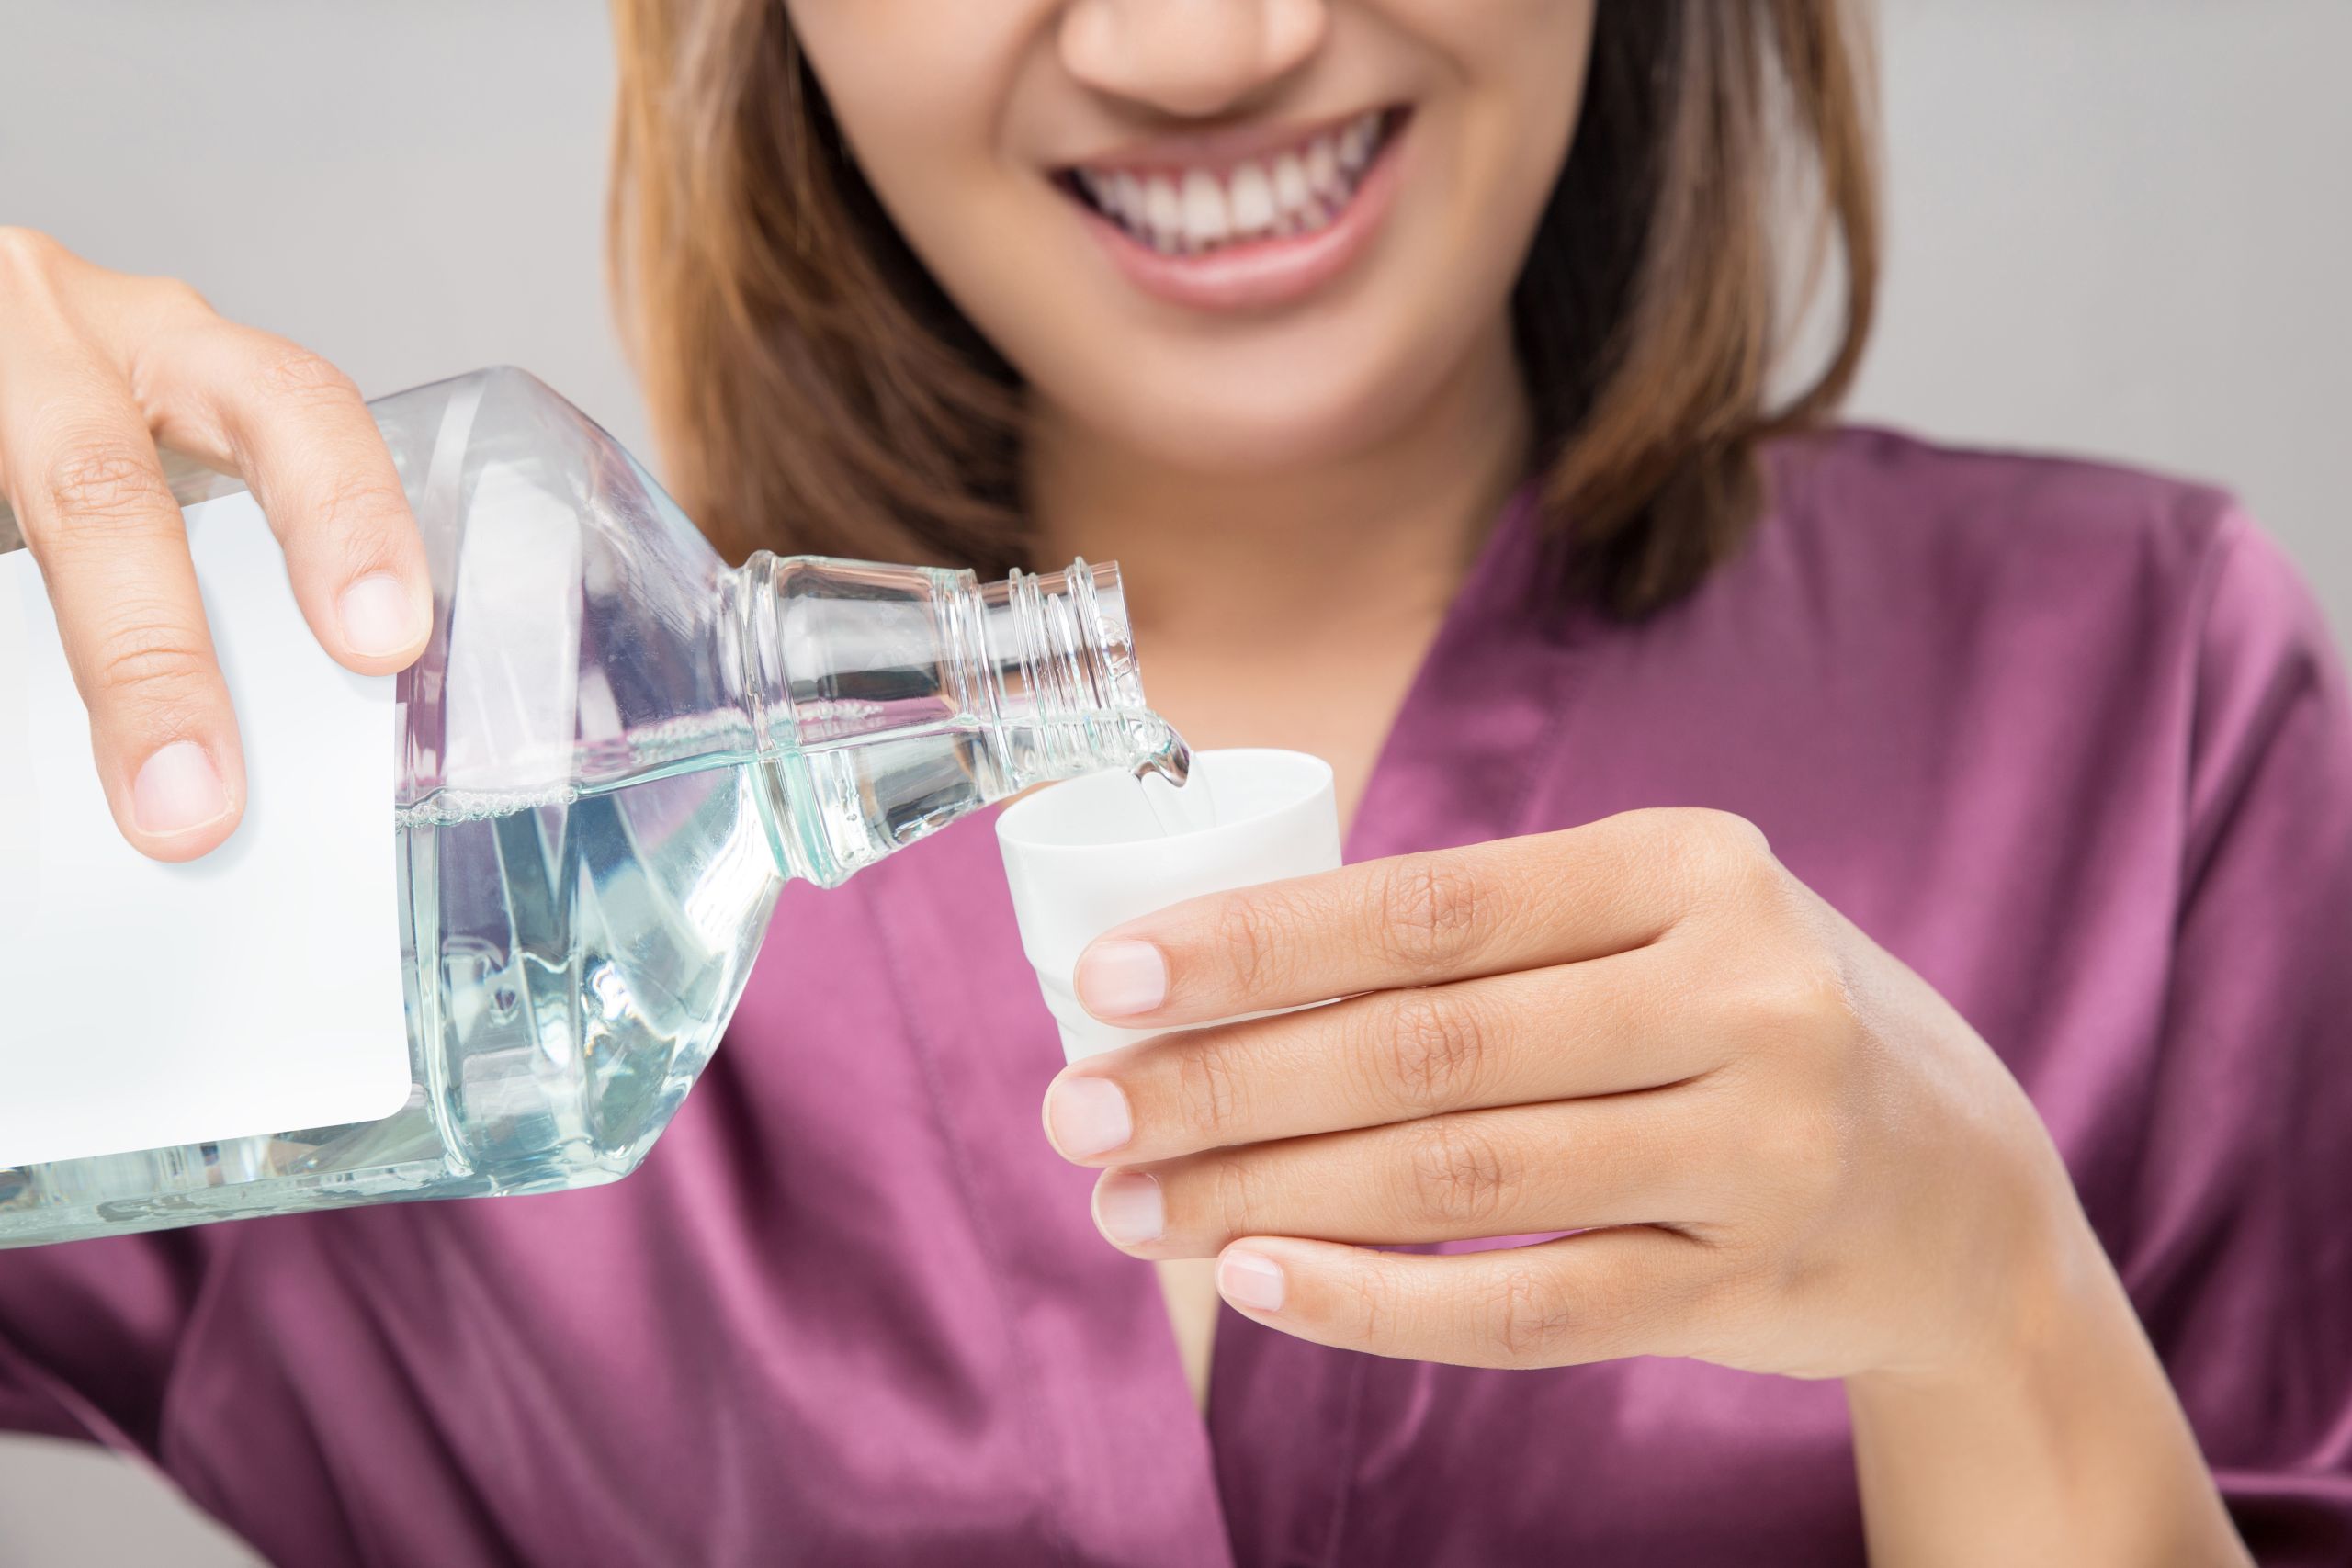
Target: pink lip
1263,274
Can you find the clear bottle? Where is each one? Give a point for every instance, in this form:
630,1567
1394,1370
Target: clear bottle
613,753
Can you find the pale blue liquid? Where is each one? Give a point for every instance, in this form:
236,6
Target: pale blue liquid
589,947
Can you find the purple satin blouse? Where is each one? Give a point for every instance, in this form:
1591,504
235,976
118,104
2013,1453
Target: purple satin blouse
2070,740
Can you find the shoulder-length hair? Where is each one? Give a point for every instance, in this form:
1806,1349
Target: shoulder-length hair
813,389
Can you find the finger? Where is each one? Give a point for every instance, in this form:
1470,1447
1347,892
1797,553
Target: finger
298,431
1627,1022
1629,1160
82,475
1417,919
1593,1297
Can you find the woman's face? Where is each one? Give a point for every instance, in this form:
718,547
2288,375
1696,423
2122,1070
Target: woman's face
1229,234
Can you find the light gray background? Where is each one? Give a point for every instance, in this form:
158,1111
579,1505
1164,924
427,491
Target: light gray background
2119,227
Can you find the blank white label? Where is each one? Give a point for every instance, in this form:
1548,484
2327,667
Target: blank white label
256,990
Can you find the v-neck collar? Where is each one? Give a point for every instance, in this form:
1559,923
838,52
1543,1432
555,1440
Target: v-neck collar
1137,1475
1479,725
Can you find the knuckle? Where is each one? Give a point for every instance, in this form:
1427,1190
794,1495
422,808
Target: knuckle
298,373
355,502
1239,1188
27,251
1728,833
107,482
1246,932
1530,1320
1368,1308
177,297
153,663
1432,1051
1208,1091
1457,1176
1716,850
1431,905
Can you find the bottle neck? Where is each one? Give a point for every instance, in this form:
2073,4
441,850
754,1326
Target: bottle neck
1054,661
885,702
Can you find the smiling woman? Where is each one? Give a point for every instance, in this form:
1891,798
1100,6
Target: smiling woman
1840,992
818,387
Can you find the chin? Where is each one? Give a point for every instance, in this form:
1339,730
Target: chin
1261,446
1253,419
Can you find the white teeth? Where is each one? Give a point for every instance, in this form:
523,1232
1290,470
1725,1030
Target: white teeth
1163,212
1292,193
1126,200
1296,192
1323,167
1251,199
1205,222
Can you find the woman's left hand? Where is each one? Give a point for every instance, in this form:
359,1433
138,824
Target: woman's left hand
1778,1149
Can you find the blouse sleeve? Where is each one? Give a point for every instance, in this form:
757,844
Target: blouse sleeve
2241,1256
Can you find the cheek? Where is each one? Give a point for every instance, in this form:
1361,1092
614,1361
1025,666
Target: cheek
1491,39
1520,66
924,150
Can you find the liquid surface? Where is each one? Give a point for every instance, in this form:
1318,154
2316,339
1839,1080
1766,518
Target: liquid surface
588,949
581,948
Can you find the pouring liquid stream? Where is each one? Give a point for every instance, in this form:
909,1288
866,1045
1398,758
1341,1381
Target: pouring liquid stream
1180,802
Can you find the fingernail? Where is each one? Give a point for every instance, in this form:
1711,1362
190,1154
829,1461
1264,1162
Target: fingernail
1088,1116
1119,979
1250,1280
379,617
177,791
1128,1207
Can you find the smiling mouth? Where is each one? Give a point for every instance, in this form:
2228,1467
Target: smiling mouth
1198,210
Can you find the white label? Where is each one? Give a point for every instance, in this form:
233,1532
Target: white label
256,990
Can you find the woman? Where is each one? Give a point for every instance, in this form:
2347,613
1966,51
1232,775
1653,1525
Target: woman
1857,913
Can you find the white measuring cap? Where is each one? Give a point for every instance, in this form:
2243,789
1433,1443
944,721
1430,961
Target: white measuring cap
1090,854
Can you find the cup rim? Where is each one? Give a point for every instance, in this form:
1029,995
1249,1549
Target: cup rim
1307,775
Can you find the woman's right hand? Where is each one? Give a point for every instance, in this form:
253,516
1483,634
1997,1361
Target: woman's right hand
96,366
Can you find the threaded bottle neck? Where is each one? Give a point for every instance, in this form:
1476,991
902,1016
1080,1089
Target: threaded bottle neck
1061,643
1064,680
884,702
1056,666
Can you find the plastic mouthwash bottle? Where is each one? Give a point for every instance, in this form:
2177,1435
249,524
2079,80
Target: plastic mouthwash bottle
613,755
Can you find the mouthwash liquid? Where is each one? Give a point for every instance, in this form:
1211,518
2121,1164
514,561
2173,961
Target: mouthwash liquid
613,753
1178,801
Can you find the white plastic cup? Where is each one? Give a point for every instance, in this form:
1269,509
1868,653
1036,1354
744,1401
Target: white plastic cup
1087,855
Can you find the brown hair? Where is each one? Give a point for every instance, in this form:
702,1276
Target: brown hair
814,389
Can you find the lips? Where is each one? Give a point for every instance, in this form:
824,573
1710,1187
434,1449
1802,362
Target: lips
1253,227
1189,210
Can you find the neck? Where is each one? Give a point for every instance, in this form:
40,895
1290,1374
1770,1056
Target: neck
1261,558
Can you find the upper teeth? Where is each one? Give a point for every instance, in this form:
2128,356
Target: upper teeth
1295,192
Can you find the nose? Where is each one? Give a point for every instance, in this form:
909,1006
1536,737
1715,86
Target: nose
1190,57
